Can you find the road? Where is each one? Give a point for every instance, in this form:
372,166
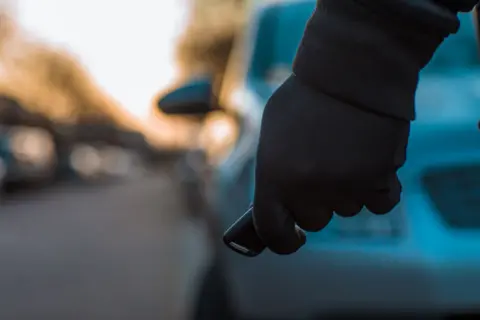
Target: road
120,251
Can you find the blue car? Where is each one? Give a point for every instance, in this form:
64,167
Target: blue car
421,258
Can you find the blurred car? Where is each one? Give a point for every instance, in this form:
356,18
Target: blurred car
421,258
27,145
130,156
102,149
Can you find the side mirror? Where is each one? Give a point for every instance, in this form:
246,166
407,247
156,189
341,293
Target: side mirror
193,98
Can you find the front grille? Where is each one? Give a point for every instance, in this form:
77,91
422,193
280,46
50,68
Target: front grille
455,192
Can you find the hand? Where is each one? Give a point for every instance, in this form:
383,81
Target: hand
318,156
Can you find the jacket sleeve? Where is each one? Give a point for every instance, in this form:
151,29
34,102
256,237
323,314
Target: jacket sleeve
369,53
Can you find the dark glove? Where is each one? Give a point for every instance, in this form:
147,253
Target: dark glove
318,156
334,135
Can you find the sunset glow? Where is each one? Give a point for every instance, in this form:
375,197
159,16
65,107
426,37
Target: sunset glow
126,45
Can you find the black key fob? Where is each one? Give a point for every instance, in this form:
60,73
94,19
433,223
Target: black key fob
242,238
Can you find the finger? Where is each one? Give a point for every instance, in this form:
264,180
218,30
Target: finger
385,198
310,212
348,207
345,204
274,223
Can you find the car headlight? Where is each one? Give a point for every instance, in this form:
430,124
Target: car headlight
32,145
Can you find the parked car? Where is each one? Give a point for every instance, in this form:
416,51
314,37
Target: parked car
421,258
104,150
129,156
27,145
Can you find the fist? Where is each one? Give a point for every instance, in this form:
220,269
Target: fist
319,156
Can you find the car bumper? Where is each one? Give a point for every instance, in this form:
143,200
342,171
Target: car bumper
310,284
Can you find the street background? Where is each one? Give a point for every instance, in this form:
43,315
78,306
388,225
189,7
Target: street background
92,244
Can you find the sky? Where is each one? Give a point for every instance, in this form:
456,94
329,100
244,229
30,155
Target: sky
127,45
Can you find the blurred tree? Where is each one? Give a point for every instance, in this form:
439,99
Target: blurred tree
7,29
60,86
50,80
206,43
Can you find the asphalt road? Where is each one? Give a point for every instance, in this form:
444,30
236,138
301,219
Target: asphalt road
120,251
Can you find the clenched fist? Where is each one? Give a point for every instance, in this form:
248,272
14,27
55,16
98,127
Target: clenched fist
318,156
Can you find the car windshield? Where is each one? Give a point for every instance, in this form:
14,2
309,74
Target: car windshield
281,28
458,52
